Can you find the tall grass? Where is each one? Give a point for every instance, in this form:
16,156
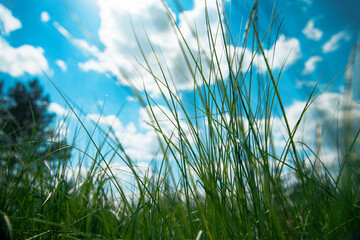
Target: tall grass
220,175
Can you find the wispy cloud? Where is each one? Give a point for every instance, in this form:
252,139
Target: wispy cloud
306,83
80,43
62,30
310,64
334,42
311,32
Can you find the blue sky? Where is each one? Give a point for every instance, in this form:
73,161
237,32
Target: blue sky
81,45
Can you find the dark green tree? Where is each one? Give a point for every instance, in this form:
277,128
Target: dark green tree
25,125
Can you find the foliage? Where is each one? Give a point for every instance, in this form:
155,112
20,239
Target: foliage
25,123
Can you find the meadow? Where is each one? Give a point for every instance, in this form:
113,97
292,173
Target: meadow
219,173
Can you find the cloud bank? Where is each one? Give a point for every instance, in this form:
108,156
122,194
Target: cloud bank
167,57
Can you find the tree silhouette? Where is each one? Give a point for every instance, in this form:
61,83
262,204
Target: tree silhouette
25,131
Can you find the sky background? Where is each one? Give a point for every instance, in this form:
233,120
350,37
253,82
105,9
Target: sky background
81,44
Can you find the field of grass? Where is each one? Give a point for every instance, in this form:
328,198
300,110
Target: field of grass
220,175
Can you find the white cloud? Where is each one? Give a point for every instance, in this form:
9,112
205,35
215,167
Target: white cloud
122,54
119,172
300,84
311,32
285,52
333,43
58,109
309,2
61,125
138,145
310,64
21,60
131,99
61,64
8,22
139,139
328,110
165,119
62,30
61,131
45,17
80,43
98,66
